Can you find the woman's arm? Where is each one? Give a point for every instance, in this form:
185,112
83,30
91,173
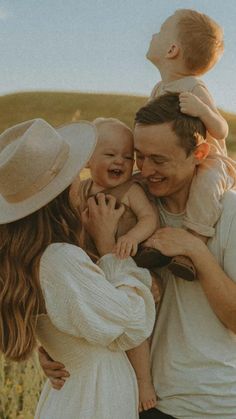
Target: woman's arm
105,303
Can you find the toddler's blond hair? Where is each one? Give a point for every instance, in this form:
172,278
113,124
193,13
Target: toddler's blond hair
201,39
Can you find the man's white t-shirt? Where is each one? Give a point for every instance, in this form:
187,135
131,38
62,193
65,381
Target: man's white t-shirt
193,353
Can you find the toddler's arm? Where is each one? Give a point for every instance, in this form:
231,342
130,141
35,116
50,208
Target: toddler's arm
148,221
200,104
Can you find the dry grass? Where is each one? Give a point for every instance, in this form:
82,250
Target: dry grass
20,384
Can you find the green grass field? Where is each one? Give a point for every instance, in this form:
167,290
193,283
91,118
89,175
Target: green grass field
20,383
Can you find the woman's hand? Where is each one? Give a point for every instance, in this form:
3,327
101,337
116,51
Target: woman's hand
175,241
100,219
55,371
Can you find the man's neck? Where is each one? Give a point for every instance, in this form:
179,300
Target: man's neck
176,203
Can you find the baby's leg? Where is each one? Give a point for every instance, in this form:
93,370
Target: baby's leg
140,359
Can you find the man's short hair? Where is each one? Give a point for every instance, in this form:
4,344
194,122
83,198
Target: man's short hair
201,40
165,109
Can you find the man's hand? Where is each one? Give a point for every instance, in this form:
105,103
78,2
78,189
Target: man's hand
55,371
175,241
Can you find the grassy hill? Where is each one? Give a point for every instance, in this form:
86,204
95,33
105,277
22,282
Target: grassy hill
58,108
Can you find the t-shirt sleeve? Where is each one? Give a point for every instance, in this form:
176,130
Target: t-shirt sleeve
106,305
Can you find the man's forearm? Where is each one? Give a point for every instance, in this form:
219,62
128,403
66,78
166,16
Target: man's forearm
218,287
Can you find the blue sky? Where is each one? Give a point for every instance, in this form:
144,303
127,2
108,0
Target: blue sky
100,45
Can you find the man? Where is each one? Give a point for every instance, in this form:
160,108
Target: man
193,350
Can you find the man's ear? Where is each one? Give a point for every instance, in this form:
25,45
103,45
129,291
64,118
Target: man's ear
173,51
201,152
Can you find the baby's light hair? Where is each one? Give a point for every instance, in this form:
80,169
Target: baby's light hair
102,121
201,39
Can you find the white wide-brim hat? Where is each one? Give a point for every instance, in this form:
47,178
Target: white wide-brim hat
38,162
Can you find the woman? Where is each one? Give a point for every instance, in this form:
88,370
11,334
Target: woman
84,314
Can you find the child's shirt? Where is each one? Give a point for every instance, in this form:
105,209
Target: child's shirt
188,84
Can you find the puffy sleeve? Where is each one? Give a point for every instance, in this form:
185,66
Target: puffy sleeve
106,304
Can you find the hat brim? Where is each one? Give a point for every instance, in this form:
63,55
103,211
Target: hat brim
81,137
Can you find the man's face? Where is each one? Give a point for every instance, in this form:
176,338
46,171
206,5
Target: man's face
162,161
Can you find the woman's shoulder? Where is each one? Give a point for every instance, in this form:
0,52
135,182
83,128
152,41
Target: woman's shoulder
61,253
64,264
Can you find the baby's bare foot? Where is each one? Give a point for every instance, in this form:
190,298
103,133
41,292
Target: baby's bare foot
147,395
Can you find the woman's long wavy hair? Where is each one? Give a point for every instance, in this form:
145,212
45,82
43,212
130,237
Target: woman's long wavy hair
21,245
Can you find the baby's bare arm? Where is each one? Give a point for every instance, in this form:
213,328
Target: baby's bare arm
148,222
145,211
215,124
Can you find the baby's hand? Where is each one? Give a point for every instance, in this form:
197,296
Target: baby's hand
126,246
191,104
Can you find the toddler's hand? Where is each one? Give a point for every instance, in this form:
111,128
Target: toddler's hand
191,104
126,246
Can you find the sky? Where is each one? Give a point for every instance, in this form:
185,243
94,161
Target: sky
100,45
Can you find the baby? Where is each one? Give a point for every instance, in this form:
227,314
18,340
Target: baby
111,167
188,45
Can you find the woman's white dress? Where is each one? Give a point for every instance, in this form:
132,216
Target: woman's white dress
93,316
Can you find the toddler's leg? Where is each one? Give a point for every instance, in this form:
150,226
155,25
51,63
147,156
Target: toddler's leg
139,358
204,203
182,267
203,208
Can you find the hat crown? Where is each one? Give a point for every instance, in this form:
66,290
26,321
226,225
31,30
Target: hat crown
38,162
28,151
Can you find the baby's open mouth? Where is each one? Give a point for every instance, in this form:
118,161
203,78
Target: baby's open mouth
115,172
